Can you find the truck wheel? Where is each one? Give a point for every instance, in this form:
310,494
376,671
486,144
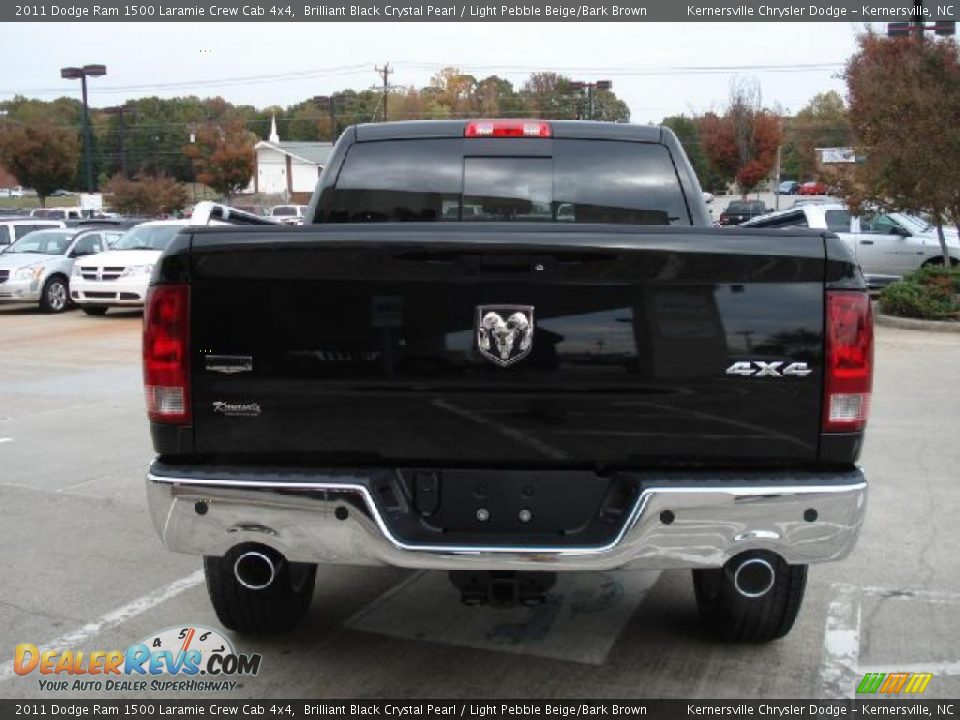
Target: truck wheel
272,609
54,298
766,611
94,310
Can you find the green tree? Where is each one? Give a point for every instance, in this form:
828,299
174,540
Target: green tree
550,96
306,122
904,105
496,97
687,130
823,122
41,155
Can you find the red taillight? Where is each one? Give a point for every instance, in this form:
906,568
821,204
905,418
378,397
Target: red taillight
508,128
848,375
166,353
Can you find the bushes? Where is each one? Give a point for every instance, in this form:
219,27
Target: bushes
146,195
930,293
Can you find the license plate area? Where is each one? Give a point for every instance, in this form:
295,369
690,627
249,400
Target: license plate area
513,507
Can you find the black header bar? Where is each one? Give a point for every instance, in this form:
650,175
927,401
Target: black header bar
855,11
486,709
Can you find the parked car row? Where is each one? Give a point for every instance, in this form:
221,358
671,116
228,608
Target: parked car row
811,187
93,265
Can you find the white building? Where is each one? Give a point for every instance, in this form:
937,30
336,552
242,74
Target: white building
287,168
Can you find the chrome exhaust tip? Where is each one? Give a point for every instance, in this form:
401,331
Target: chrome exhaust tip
754,577
255,570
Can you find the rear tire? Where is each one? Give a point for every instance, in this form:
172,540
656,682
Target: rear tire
727,614
94,310
275,609
54,298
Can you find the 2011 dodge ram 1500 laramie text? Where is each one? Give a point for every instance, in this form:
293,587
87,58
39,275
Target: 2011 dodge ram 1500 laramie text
508,349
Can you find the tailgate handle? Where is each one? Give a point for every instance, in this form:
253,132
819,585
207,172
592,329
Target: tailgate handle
228,364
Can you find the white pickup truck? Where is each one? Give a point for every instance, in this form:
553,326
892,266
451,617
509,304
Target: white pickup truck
887,245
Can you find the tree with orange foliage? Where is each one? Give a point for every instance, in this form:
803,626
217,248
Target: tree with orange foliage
742,143
904,105
223,156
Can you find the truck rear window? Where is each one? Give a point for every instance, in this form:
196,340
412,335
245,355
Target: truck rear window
582,181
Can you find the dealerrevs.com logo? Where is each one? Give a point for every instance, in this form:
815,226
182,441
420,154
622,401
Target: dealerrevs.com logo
191,658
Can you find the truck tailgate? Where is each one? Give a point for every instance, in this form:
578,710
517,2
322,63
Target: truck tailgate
351,344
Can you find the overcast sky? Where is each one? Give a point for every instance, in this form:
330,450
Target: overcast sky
657,68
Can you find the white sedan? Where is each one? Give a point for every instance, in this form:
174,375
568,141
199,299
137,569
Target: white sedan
119,277
887,245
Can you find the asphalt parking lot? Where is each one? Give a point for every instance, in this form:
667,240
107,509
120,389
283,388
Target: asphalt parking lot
83,568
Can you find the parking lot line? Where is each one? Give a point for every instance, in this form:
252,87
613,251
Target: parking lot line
113,618
5,440
841,644
841,660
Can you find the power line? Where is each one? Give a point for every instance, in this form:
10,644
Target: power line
351,69
639,72
236,80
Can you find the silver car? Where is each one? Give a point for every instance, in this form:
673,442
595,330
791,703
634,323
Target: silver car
36,268
887,245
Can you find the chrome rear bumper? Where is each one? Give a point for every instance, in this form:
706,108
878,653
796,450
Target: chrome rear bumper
677,521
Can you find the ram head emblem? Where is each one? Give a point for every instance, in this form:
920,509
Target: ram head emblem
504,341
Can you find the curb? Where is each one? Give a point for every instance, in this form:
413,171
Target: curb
943,326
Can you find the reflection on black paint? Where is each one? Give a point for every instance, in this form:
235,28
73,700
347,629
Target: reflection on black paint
353,351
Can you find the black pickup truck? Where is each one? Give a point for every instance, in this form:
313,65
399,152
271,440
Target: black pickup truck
507,349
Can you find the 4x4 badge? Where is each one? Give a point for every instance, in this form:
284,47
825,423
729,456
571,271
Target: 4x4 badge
504,332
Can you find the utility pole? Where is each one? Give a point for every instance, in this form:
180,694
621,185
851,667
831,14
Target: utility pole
916,21
385,72
591,88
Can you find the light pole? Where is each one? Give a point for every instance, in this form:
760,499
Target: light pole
74,73
591,87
